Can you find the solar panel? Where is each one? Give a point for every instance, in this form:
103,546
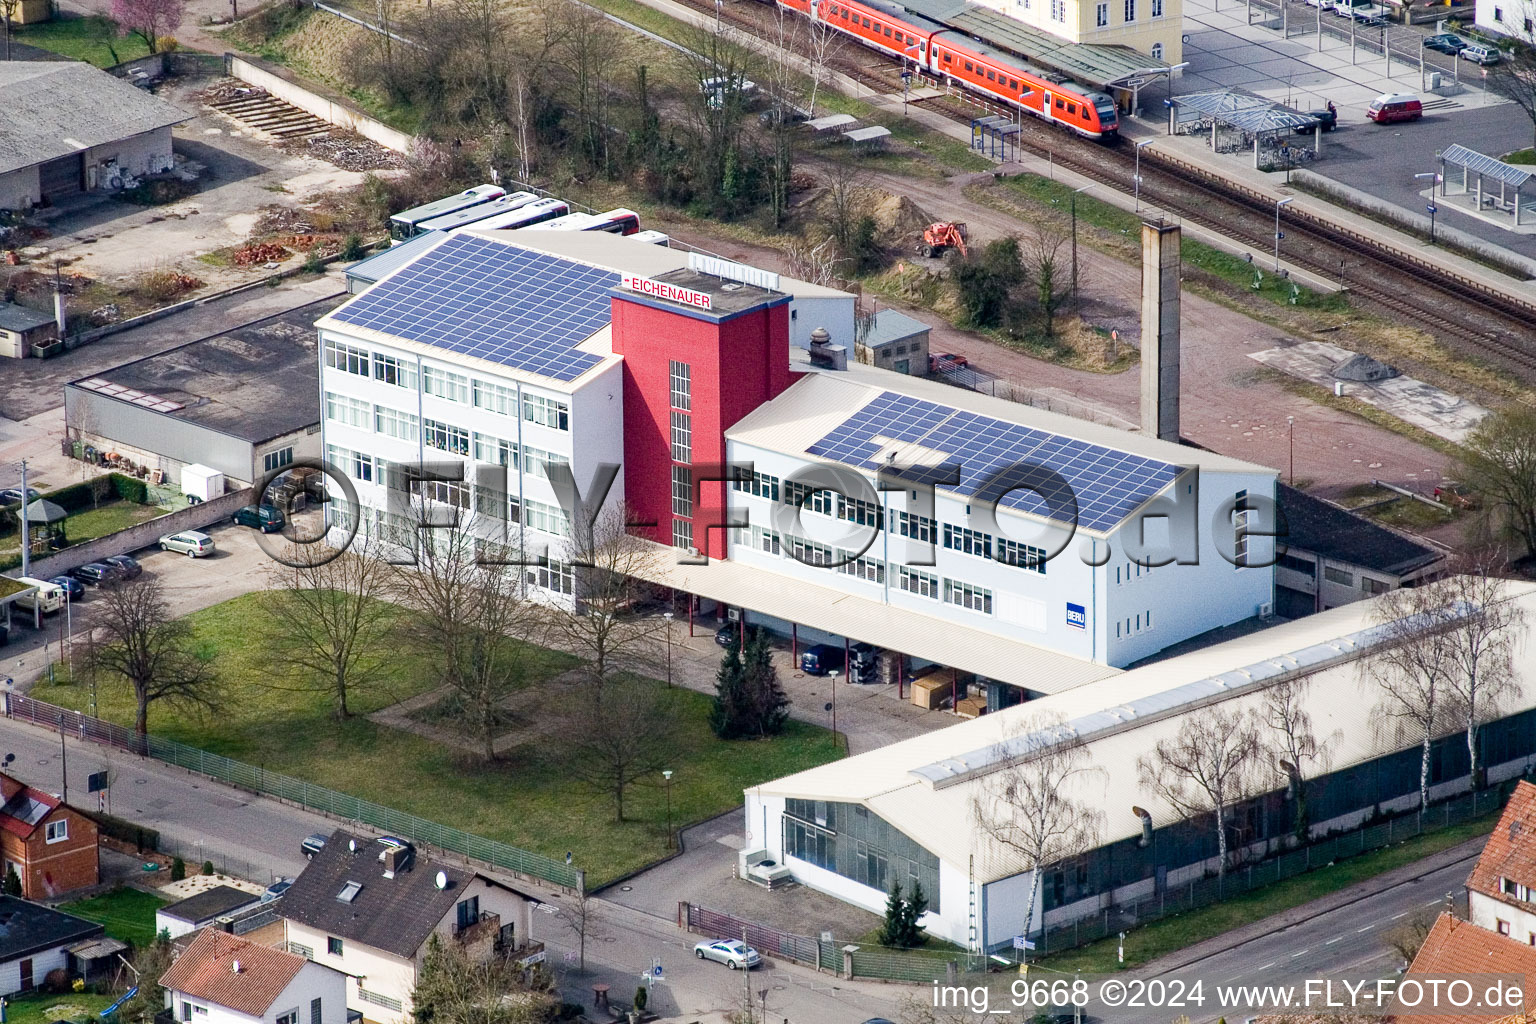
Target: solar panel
493,300
1100,486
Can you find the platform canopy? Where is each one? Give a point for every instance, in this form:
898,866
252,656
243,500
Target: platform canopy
1246,111
1487,166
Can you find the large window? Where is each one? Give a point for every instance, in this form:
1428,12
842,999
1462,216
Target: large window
547,518
445,437
452,386
394,370
864,568
495,451
967,542
1239,520
1025,556
918,528
394,423
682,534
277,459
536,461
1101,15
496,398
760,484
681,386
1130,10
682,491
852,841
340,356
920,583
865,513
556,576
546,412
345,409
682,437
966,595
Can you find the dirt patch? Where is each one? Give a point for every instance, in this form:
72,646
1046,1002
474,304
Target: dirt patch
898,219
347,150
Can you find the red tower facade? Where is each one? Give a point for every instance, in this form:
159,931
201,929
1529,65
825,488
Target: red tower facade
700,353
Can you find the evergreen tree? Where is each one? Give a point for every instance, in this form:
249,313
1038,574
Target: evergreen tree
726,717
766,700
894,925
12,885
917,904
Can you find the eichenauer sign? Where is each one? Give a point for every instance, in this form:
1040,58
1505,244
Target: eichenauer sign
662,290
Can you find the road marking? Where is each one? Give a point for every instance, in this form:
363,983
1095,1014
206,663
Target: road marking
1365,929
1331,941
1432,903
1232,979
1303,952
1396,916
1268,965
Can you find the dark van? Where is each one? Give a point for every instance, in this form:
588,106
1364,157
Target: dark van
1395,106
266,518
821,659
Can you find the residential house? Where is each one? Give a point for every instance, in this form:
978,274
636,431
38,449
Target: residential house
200,910
224,979
1460,948
1501,892
51,846
35,940
368,908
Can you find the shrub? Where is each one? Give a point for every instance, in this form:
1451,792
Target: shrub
641,997
314,263
12,884
352,248
129,489
207,867
127,832
178,869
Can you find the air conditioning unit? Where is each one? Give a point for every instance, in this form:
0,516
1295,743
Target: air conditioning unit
1267,610
693,552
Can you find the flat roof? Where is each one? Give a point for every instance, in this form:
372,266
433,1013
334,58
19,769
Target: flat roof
209,904
255,382
372,269
21,318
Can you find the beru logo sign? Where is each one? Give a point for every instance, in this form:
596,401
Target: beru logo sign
1077,616
663,290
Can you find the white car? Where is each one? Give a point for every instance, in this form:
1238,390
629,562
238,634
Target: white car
189,542
734,953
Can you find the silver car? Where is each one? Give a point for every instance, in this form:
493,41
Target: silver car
734,953
189,542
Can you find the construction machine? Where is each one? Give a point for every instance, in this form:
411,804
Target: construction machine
940,237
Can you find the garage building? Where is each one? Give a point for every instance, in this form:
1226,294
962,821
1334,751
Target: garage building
74,128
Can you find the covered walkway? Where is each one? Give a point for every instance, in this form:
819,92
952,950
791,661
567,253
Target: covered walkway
1479,173
1239,120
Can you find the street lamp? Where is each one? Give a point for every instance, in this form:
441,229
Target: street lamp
1136,181
668,616
1169,70
1290,426
1077,304
1432,207
667,778
1278,235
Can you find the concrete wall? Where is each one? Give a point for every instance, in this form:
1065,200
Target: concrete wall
152,65
20,189
149,153
327,110
143,535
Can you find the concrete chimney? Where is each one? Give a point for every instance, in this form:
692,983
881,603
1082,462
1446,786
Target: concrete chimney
1160,266
58,311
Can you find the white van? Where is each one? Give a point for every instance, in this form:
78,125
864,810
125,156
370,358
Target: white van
50,595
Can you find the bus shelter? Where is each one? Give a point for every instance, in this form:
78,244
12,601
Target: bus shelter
1239,121
1479,173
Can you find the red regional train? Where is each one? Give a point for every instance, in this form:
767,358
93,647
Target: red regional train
982,68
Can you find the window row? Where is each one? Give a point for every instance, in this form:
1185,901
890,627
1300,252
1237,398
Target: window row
1131,570
984,545
1134,624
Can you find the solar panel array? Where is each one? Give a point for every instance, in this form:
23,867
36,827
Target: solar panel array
492,300
1034,471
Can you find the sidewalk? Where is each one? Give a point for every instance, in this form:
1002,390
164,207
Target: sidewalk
1266,926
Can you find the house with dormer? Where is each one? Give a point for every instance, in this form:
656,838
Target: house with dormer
1501,891
367,907
51,846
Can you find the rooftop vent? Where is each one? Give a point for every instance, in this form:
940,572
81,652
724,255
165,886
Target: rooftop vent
234,966
441,881
825,354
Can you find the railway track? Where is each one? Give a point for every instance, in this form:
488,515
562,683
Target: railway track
1459,312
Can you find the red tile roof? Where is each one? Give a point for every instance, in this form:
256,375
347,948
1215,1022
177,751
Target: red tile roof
1511,850
24,807
1460,947
206,971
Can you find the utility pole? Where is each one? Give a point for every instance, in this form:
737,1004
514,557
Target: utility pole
26,530
63,762
1076,302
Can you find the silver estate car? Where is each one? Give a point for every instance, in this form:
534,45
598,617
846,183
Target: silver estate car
734,953
189,542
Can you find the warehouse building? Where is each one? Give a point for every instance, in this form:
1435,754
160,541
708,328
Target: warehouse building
73,129
905,811
242,402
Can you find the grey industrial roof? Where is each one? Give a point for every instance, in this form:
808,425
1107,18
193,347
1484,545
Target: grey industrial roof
27,928
210,904
892,325
374,268
255,382
61,107
1485,165
867,134
1321,528
20,318
1243,110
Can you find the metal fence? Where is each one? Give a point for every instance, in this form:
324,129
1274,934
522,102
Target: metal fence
305,794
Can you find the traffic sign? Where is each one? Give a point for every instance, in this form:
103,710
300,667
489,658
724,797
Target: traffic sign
1279,234
1020,942
1432,208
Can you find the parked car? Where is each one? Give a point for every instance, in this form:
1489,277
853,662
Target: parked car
1477,53
96,573
191,543
49,596
1329,119
74,590
821,659
127,564
734,953
1395,106
313,844
276,889
947,361
12,495
1446,42
266,518
728,634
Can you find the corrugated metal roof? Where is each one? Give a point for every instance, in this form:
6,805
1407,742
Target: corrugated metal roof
1485,165
861,619
1341,703
380,265
892,325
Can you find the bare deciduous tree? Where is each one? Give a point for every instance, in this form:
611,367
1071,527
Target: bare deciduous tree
1514,76
1480,644
1498,461
1028,805
1207,768
1411,670
1042,252
816,262
621,736
327,615
1294,742
589,50
1406,938
137,638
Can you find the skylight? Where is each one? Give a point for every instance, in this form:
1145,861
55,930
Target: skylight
349,892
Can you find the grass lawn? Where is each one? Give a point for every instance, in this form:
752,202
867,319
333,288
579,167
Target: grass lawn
129,914
527,800
87,525
40,1008
1174,933
93,39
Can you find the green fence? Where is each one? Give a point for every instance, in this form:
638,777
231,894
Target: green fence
306,794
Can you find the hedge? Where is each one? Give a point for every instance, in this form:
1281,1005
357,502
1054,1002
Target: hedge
141,836
86,494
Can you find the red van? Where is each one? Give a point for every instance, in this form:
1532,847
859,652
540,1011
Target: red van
1395,106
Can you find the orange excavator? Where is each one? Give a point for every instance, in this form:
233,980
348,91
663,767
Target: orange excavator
940,237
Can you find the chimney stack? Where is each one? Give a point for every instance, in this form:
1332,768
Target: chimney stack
1160,267
58,310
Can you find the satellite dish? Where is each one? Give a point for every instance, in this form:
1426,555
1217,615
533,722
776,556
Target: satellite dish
351,845
441,881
